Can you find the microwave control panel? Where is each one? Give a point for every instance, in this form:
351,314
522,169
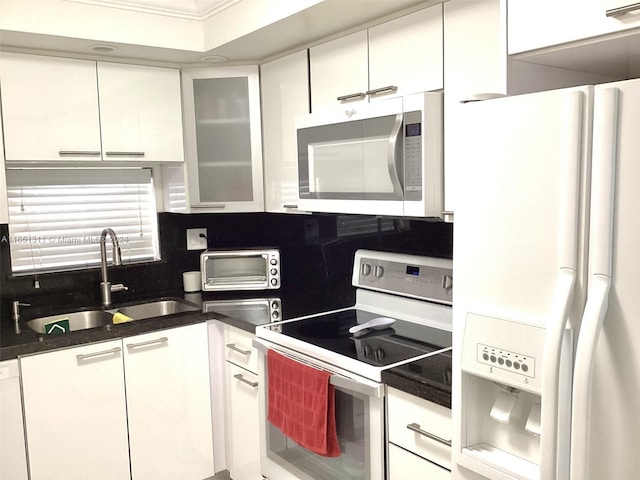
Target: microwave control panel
413,155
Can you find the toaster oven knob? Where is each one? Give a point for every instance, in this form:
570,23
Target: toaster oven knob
275,315
274,271
274,281
273,261
274,305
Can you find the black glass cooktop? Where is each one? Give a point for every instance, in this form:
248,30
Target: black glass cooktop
401,341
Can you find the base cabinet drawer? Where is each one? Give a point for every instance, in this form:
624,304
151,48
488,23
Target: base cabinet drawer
404,465
239,348
419,426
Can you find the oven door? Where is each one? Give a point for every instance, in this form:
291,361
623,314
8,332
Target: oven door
359,424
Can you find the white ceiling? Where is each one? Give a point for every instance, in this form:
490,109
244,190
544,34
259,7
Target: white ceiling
198,9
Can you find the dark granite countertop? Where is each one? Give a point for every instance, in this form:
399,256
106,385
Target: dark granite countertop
429,378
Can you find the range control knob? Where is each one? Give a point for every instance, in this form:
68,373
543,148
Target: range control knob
379,271
365,268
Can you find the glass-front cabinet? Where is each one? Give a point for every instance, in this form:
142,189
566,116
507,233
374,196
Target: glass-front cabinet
223,139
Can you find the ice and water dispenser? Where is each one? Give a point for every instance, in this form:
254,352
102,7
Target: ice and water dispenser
501,398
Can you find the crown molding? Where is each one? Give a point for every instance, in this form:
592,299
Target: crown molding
214,7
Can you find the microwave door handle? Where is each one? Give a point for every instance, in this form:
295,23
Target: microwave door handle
394,158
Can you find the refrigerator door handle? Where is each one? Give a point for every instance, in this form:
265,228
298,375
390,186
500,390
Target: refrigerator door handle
605,133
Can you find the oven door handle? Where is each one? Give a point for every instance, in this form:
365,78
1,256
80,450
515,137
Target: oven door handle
364,387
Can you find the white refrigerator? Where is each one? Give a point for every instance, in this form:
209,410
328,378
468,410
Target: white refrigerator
547,309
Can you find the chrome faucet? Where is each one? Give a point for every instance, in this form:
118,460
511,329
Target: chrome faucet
105,286
16,313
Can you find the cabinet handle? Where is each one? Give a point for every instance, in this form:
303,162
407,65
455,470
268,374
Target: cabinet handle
78,153
414,427
244,380
211,205
351,96
87,356
289,205
233,347
376,91
618,12
124,154
147,343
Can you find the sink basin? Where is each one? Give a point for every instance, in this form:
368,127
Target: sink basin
82,320
69,322
157,309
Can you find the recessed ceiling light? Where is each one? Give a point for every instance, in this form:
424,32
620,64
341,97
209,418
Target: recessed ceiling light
103,48
214,59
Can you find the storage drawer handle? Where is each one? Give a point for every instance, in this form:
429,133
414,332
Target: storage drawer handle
87,356
414,427
148,343
124,154
78,153
233,347
618,12
351,96
376,91
244,380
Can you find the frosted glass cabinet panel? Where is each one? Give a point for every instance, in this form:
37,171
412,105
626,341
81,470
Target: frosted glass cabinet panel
223,139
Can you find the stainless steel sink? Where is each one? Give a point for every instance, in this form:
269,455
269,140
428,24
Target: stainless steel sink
69,322
82,320
156,309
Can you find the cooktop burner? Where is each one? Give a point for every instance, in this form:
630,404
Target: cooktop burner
400,341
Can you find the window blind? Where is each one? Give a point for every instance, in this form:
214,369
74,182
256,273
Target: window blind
56,217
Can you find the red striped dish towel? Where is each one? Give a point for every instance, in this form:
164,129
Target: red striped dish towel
302,404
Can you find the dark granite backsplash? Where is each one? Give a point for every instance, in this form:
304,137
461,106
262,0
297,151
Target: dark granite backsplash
316,251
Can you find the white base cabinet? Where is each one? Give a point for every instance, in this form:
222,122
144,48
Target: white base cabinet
81,424
75,413
243,428
13,455
419,435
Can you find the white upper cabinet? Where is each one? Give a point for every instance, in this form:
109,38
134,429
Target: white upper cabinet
67,110
537,24
285,95
49,108
398,57
140,113
223,140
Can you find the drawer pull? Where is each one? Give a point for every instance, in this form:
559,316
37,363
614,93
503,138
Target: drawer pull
87,356
244,380
233,347
618,12
414,427
148,343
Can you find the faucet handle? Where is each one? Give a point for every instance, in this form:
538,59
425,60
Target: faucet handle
118,287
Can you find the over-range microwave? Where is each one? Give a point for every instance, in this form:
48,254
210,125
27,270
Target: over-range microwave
242,269
382,158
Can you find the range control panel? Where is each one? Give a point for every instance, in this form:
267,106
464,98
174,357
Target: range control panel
426,278
507,360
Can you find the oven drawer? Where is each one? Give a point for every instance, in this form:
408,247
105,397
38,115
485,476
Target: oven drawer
238,348
411,420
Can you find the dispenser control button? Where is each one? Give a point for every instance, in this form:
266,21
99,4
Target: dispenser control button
493,358
485,356
525,367
516,365
508,363
501,361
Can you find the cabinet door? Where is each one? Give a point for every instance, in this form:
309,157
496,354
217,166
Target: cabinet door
169,404
537,24
285,95
49,108
13,456
223,139
406,53
75,413
243,426
339,69
404,464
140,113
